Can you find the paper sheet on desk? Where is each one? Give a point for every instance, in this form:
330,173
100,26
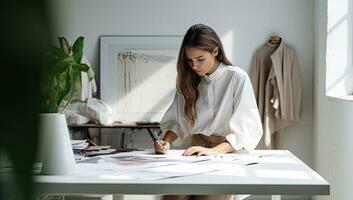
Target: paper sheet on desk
164,172
135,162
178,170
152,167
156,167
147,159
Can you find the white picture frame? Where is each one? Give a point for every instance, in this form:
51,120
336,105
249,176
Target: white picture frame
138,75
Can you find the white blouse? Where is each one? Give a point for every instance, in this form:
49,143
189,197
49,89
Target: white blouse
226,107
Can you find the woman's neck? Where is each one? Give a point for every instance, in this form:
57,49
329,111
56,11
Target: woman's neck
214,68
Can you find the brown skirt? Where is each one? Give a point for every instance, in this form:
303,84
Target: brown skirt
206,141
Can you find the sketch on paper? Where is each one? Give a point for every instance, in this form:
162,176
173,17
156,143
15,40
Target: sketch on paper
138,75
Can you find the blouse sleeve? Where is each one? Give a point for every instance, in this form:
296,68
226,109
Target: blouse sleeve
173,120
245,123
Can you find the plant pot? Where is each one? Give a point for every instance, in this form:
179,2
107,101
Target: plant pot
58,157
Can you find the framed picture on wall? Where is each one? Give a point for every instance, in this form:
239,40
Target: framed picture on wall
138,75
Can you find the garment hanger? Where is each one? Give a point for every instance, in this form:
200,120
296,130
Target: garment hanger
274,39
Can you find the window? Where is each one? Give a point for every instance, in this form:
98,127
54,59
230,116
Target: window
339,53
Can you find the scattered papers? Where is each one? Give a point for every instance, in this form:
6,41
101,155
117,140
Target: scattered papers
79,144
78,156
100,152
148,159
98,148
147,166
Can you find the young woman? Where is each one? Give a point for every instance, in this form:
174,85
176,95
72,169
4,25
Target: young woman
214,103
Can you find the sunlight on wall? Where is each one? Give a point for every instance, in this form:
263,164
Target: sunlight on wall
228,44
339,49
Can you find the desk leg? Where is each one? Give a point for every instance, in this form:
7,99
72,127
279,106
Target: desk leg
276,197
126,137
122,142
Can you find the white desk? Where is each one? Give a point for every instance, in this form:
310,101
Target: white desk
278,173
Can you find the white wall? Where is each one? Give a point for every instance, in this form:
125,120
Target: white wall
333,136
244,25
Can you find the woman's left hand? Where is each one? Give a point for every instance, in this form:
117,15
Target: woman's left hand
199,151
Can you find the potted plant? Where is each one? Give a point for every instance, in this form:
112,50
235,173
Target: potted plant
61,82
62,75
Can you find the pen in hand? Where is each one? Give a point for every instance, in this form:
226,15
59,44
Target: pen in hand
156,139
161,145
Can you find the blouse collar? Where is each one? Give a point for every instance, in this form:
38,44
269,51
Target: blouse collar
216,74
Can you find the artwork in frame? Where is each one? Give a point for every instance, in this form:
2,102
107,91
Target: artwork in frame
138,75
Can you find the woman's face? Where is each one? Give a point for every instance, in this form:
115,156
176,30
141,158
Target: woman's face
202,62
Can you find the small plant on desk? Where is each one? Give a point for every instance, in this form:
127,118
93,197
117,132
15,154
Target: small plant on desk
61,82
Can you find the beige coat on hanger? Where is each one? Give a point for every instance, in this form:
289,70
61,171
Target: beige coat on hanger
276,80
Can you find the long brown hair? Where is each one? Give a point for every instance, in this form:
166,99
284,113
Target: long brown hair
201,37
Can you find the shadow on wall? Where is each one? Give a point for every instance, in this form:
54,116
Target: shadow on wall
24,36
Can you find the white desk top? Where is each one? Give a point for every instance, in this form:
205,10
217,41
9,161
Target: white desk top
277,173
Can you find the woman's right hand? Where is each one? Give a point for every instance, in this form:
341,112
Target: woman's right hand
161,147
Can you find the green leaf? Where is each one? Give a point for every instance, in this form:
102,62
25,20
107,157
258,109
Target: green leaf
90,74
64,45
63,65
76,81
81,67
85,68
66,87
53,96
55,53
77,49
